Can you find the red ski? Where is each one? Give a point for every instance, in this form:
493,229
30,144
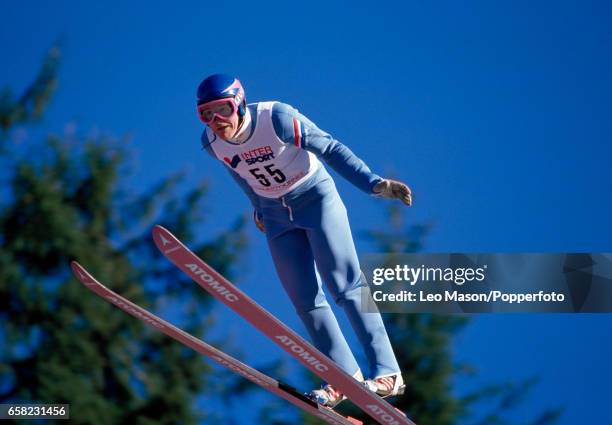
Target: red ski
253,375
269,325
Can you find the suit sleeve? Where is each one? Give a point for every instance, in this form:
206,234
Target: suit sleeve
293,127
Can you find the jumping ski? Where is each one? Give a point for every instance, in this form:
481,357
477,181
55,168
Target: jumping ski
282,390
278,332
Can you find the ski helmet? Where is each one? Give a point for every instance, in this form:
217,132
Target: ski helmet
219,86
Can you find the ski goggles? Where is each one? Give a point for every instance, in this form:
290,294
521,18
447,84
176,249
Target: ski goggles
223,108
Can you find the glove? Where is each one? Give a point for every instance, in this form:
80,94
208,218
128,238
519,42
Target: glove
259,221
393,189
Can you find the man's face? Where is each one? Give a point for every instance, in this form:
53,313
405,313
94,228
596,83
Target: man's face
225,128
221,116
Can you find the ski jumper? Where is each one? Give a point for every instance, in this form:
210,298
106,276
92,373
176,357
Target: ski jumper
278,166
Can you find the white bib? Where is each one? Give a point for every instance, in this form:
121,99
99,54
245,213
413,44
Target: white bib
270,166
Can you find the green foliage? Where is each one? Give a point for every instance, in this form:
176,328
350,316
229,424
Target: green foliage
32,103
58,342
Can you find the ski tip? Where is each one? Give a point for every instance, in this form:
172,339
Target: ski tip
159,229
156,231
79,272
76,267
163,238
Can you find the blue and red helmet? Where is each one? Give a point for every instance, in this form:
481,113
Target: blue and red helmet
220,86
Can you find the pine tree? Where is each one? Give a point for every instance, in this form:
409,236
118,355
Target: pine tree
64,199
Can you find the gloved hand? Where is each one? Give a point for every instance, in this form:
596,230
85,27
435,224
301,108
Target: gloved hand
393,189
259,222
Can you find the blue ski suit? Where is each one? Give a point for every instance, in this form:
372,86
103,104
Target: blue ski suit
278,166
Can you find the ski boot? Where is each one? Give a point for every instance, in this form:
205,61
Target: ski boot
329,396
387,385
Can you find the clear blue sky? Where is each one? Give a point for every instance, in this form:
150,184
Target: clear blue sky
497,114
